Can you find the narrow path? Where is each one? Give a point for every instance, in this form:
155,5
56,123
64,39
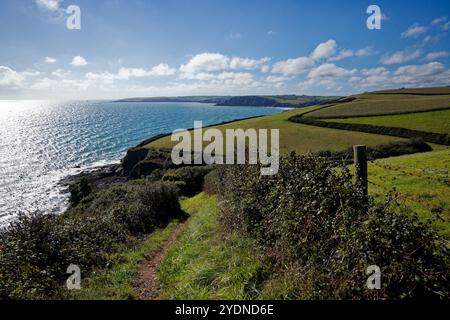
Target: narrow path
147,283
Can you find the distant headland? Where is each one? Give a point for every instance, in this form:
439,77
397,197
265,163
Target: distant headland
277,101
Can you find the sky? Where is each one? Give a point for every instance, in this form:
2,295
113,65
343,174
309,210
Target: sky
144,48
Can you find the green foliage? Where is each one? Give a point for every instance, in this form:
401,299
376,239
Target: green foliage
312,222
36,249
188,179
78,191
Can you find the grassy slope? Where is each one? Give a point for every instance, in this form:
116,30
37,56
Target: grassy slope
201,264
117,283
371,104
299,137
421,180
433,121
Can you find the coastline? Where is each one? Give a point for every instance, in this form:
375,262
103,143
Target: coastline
98,176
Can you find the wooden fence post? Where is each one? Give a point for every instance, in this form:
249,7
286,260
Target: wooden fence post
360,160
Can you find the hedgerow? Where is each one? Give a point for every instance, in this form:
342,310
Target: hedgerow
311,221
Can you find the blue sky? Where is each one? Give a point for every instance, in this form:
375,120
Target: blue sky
129,48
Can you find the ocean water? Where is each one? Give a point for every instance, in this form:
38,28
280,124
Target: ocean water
42,142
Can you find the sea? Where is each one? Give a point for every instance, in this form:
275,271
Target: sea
42,142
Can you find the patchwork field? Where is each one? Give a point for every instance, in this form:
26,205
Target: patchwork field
432,121
298,137
379,104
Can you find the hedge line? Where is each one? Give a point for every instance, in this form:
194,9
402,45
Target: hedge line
393,149
438,138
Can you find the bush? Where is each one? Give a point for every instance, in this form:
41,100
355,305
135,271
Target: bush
78,191
312,221
35,250
188,179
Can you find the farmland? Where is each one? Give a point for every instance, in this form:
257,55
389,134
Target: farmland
432,121
298,137
371,104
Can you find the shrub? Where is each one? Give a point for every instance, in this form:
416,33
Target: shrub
188,179
311,220
78,191
35,250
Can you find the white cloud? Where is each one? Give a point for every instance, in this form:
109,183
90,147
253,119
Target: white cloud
430,74
414,31
31,73
79,61
265,68
343,54
299,65
50,60
379,71
446,26
439,20
365,52
429,69
328,70
437,54
10,77
324,50
400,57
162,69
205,62
44,84
60,73
51,5
277,79
327,75
200,66
346,53
247,63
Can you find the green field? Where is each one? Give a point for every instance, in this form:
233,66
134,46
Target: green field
379,104
298,137
422,182
432,121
